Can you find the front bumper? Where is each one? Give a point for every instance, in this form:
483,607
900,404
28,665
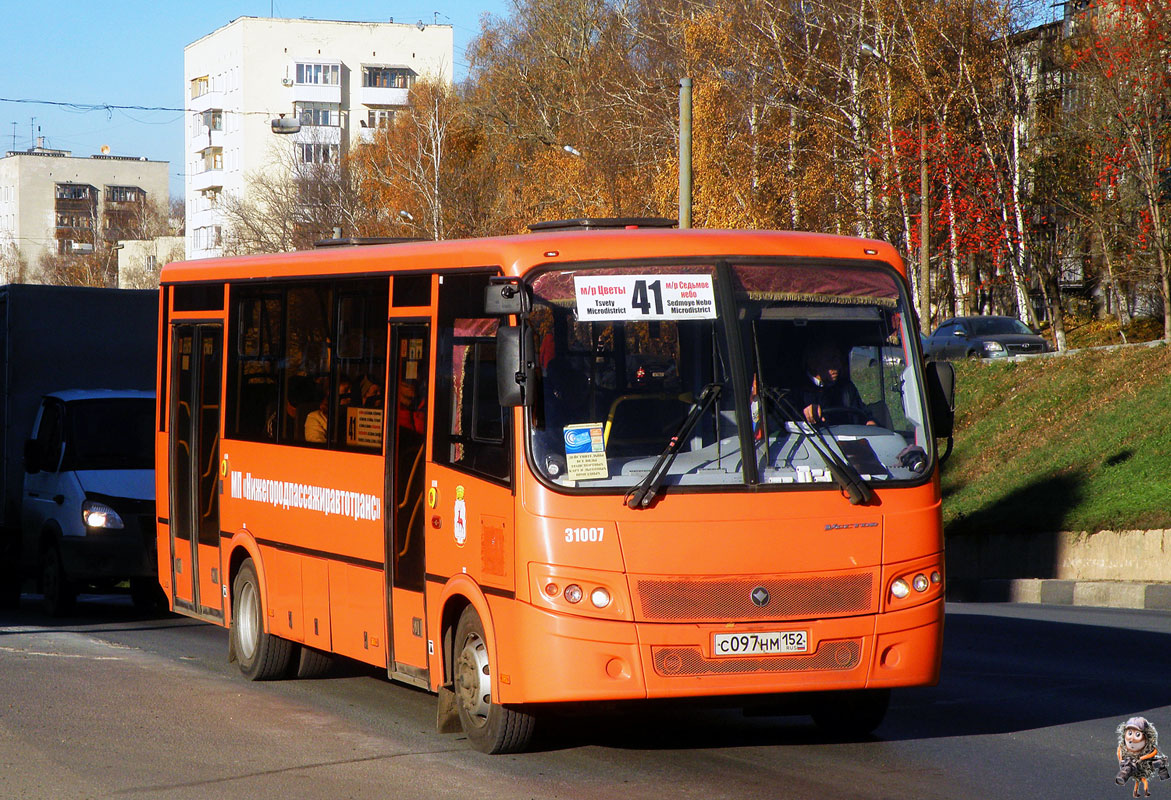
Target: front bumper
112,554
576,659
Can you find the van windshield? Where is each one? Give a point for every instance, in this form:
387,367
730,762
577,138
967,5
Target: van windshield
111,433
805,358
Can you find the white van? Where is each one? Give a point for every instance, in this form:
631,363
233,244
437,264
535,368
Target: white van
88,509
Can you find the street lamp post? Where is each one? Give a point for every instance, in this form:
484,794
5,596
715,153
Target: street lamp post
684,153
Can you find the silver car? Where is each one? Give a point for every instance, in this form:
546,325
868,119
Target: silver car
984,337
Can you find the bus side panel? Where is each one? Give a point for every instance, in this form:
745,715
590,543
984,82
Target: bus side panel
410,645
471,530
315,602
283,576
357,612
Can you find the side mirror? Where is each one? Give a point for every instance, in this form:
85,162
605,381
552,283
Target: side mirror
505,295
941,388
516,368
32,457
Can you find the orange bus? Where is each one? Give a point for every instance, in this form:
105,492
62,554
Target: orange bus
605,460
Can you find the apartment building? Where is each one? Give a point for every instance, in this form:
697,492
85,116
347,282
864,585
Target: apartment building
54,202
339,78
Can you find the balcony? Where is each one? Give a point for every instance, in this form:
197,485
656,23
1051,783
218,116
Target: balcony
317,93
201,141
206,101
318,134
382,96
209,179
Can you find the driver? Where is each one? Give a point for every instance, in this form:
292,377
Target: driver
826,395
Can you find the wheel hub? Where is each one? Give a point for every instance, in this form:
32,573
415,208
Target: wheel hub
473,680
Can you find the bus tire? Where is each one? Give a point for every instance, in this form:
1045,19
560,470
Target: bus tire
261,655
851,715
490,727
312,663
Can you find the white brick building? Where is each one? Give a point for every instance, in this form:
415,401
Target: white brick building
339,78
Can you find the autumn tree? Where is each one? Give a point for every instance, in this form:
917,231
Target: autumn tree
1121,64
300,197
426,173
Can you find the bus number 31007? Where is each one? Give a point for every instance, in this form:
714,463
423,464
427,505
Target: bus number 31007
584,534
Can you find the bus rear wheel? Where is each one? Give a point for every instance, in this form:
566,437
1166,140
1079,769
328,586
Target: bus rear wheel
490,727
262,656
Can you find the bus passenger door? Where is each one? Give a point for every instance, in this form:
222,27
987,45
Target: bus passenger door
196,377
406,438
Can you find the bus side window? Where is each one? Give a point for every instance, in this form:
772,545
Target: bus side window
472,431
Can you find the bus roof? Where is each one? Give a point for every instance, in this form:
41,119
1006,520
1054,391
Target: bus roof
516,255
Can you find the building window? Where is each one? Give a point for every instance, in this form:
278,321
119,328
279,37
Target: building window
75,191
388,77
207,237
380,117
213,119
319,74
213,158
151,264
200,86
318,113
124,194
319,153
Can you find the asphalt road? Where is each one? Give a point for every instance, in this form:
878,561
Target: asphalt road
110,704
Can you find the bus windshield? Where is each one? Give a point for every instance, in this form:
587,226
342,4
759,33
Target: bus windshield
760,372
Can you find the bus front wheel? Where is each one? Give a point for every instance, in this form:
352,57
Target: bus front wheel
262,656
490,727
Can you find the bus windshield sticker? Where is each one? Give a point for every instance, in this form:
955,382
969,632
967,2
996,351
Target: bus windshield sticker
605,298
364,427
585,452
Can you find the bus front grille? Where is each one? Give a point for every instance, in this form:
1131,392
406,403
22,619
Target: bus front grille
739,599
677,662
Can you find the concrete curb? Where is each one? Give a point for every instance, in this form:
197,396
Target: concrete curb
1054,591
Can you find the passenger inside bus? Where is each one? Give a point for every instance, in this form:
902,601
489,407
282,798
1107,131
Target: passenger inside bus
317,420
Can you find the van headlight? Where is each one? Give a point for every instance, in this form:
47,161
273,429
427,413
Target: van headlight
100,515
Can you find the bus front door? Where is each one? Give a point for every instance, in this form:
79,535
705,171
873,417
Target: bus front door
196,377
406,435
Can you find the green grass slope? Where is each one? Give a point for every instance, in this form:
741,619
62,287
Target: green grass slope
1080,442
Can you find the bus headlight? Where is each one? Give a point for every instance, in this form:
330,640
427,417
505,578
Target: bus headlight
100,515
601,594
913,583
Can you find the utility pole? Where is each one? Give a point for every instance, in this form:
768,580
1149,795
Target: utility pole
684,153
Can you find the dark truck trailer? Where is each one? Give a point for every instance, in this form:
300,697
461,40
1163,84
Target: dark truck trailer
54,339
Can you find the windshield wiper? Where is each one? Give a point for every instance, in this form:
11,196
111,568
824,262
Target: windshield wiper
842,471
644,493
